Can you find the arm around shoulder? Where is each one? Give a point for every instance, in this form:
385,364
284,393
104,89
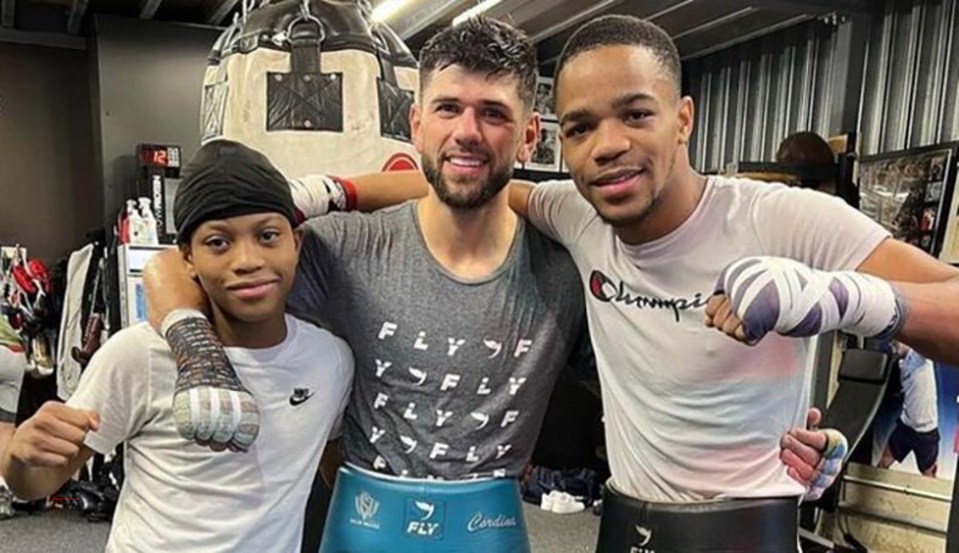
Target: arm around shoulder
556,208
168,287
378,190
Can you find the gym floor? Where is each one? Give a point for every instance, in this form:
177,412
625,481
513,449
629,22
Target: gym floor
67,531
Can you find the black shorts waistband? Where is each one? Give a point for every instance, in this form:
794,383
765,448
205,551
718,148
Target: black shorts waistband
764,525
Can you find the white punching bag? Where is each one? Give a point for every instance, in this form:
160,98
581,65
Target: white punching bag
316,86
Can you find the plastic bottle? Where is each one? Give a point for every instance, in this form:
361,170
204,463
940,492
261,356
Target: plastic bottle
136,224
149,222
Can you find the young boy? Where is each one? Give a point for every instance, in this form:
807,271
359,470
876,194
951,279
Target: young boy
235,218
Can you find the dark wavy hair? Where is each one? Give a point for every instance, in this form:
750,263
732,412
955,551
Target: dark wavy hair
485,46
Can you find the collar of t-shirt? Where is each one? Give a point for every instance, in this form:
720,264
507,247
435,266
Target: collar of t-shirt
667,244
264,356
518,236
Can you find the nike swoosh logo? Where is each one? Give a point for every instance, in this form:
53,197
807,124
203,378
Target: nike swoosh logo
296,400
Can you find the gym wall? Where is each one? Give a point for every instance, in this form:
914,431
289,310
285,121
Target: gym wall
70,120
148,81
46,168
751,96
911,99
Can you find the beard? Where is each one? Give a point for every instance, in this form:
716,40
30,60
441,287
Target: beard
631,219
474,196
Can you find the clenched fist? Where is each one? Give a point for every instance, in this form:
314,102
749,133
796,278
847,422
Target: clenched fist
53,436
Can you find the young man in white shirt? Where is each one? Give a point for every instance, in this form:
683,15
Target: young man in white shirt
693,417
235,217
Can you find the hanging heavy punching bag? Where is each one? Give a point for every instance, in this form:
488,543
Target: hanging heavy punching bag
316,86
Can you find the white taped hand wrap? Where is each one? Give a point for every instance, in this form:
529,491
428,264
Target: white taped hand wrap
785,296
317,195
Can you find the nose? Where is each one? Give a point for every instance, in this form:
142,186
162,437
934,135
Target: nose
467,128
610,142
247,257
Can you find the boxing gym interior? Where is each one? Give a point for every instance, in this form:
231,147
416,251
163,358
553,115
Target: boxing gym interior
103,103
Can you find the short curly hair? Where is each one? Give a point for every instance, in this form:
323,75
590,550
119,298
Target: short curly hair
484,46
615,30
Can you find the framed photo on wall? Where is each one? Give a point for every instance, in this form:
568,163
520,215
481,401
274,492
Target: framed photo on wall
547,153
543,101
907,191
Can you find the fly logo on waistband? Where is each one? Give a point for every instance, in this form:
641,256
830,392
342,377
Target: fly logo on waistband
366,508
425,519
645,535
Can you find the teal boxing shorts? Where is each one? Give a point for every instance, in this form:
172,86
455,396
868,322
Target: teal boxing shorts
373,513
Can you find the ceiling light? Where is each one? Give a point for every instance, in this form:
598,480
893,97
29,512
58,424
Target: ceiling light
387,8
478,9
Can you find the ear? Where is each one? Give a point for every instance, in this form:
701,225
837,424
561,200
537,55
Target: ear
530,137
687,116
298,234
416,122
187,252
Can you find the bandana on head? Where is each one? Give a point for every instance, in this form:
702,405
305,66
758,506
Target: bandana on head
227,179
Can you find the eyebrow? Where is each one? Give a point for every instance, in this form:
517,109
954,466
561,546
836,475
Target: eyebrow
218,224
618,104
455,100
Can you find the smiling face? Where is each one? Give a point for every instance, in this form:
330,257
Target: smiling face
470,128
246,264
625,140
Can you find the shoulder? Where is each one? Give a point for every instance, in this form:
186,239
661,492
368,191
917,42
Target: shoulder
561,189
127,357
756,191
772,199
540,243
315,342
344,223
551,260
136,342
740,188
562,212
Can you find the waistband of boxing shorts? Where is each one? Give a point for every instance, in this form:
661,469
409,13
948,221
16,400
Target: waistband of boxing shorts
372,512
755,525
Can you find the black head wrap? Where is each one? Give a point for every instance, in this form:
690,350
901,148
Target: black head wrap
227,179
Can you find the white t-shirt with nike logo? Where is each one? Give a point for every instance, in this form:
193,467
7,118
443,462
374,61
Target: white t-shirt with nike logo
179,496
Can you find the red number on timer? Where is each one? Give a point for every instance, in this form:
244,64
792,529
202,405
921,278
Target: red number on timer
160,157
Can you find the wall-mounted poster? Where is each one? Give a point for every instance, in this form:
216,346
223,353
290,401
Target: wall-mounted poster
906,192
916,429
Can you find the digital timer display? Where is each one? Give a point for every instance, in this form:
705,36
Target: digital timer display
159,156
